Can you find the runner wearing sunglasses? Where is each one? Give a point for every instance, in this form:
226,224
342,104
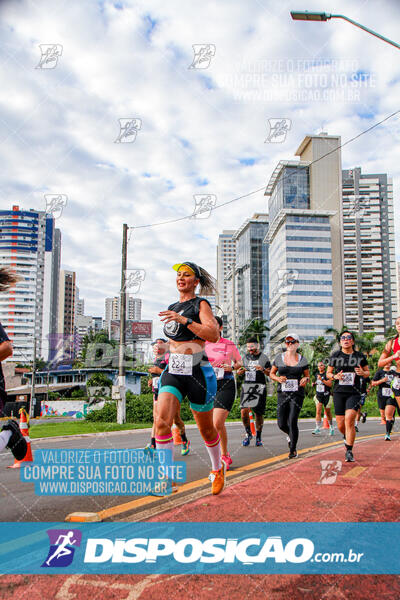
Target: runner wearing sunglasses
290,370
346,367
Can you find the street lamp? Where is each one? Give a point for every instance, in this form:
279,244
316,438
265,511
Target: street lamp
298,15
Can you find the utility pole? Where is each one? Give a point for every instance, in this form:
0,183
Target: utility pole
121,402
33,399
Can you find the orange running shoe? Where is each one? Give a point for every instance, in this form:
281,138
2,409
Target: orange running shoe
217,479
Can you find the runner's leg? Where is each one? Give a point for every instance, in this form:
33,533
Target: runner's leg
219,418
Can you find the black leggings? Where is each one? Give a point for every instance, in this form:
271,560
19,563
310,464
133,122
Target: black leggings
288,411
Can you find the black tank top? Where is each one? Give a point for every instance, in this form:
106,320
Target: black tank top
190,309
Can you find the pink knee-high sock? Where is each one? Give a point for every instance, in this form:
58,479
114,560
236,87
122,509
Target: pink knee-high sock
214,450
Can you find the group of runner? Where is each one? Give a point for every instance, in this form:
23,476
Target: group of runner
200,365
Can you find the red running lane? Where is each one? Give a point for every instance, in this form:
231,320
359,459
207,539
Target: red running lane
291,493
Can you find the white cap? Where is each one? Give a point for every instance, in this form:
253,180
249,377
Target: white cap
292,335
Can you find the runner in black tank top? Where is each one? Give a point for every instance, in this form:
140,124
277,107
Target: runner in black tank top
346,367
290,370
189,323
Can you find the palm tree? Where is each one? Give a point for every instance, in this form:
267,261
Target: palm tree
365,342
253,328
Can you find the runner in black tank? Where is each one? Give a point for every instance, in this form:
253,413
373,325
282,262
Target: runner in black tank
189,323
290,370
362,415
386,401
346,367
383,379
253,394
223,357
323,399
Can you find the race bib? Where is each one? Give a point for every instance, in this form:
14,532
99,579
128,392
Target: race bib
180,364
251,394
155,382
396,383
250,375
219,372
387,392
320,387
290,385
348,379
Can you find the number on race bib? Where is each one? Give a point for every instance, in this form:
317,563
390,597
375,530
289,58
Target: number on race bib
348,379
387,392
219,372
290,385
320,387
155,382
396,383
250,375
180,364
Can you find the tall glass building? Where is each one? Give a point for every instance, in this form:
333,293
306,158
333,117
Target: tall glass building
305,256
251,272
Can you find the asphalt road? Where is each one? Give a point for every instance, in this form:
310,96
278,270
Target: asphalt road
19,502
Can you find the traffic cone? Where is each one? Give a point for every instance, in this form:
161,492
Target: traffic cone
24,429
176,435
252,424
325,424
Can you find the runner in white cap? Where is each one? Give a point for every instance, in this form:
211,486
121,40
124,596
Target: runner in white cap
290,370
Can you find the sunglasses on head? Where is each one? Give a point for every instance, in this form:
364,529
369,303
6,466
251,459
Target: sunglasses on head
346,337
290,341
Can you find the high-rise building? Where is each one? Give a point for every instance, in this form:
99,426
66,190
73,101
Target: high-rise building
251,273
66,313
369,251
305,241
133,309
226,256
398,290
79,304
31,246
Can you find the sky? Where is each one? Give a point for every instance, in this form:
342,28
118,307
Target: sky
198,84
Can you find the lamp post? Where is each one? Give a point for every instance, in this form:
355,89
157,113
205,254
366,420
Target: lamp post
298,15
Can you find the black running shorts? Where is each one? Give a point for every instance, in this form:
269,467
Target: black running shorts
343,402
226,393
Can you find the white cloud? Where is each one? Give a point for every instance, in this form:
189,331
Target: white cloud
58,126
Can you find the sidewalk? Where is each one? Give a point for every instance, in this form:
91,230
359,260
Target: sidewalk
366,490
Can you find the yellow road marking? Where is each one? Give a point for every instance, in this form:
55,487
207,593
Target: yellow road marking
146,500
355,472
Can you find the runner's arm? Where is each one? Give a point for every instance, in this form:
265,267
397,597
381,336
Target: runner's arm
6,350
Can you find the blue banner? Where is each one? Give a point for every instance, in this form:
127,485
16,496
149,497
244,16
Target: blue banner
200,548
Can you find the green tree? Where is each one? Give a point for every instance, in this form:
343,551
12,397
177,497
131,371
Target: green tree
253,328
99,380
365,342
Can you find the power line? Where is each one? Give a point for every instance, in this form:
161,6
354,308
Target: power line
263,187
